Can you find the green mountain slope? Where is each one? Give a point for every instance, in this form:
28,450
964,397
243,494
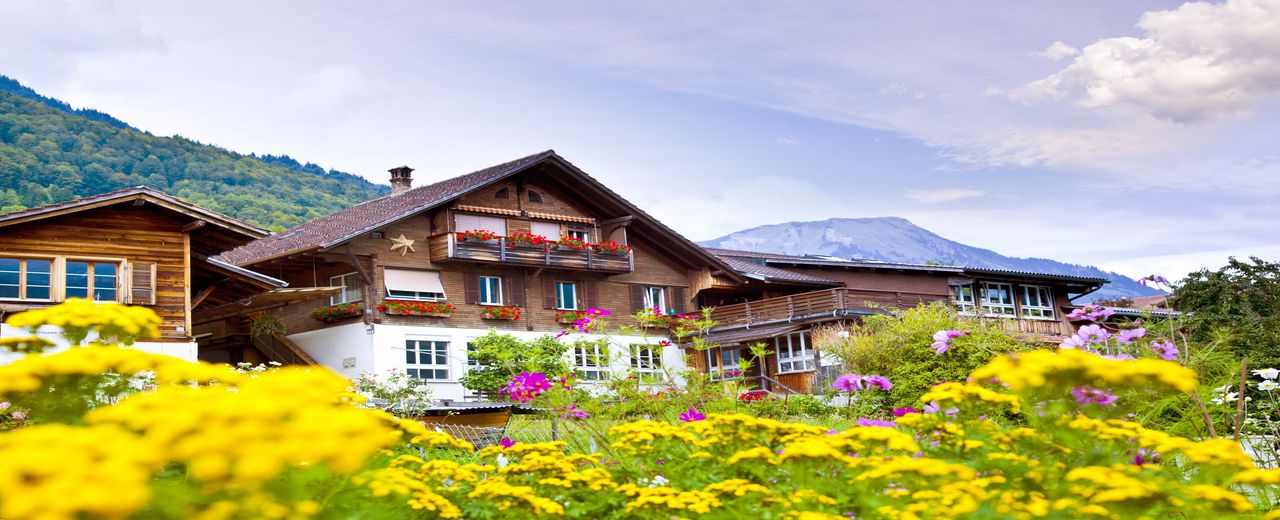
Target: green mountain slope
50,152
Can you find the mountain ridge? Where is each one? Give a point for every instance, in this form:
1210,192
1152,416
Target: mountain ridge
896,239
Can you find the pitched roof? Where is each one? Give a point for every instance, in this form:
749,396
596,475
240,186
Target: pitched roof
133,193
351,222
762,272
344,225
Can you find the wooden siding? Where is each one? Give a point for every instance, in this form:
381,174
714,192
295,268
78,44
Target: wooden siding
122,232
816,304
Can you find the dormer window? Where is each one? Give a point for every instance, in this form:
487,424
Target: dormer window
501,194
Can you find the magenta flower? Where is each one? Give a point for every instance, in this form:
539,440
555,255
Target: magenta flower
599,312
664,343
1093,334
880,382
527,386
934,407
573,412
899,412
1165,349
863,421
1153,280
1127,336
1090,312
506,442
848,383
1087,395
942,339
692,415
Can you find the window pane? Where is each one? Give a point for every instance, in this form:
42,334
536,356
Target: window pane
77,279
38,279
9,269
104,282
566,295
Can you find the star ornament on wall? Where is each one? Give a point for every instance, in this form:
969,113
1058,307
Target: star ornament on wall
402,244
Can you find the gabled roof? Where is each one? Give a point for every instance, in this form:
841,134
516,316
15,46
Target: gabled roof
335,229
765,273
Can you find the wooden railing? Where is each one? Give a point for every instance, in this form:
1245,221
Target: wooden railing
770,384
281,350
1051,327
445,247
829,302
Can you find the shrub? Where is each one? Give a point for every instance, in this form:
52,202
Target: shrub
500,357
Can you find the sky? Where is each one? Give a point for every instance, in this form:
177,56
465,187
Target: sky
1139,136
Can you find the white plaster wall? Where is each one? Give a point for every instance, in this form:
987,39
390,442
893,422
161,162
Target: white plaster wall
389,352
330,346
184,350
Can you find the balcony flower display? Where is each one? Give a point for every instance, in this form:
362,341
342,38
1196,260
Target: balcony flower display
527,240
478,235
415,308
610,246
341,311
571,244
501,313
569,316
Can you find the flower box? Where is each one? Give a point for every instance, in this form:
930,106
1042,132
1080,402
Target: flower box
529,240
566,317
610,247
414,308
341,311
477,235
501,313
571,244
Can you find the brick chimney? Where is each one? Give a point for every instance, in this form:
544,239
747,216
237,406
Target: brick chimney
401,180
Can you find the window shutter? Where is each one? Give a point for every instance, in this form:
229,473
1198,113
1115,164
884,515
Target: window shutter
516,291
637,297
589,299
471,287
142,284
676,294
548,293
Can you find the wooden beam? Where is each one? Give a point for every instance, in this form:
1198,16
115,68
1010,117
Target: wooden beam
203,294
193,226
139,202
368,279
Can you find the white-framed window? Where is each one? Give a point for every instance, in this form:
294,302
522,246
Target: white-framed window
551,230
656,298
590,362
490,290
406,284
352,288
580,233
720,360
566,295
96,280
427,359
26,279
794,352
1037,302
962,296
646,360
997,299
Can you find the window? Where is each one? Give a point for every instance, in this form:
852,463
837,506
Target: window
590,363
467,222
566,295
656,298
721,360
1037,302
962,296
534,197
794,353
997,299
426,359
404,284
10,278
490,290
501,194
577,233
352,288
551,230
646,359
91,279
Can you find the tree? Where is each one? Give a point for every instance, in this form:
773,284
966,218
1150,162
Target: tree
499,357
1239,303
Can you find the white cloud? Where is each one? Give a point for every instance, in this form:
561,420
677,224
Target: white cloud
1057,51
1177,266
943,195
1198,62
787,140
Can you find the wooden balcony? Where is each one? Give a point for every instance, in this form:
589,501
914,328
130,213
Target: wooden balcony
816,305
446,247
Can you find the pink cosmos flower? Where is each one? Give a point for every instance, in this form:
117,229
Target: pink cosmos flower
1087,395
1090,312
880,382
848,383
934,407
1165,349
1153,280
506,442
527,386
1073,342
573,412
664,343
1127,336
692,415
899,412
942,339
863,421
1093,334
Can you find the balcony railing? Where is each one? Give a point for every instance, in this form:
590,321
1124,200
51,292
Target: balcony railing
447,247
816,304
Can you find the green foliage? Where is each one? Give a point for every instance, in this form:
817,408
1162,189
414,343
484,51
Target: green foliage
50,153
267,325
501,356
897,346
1238,304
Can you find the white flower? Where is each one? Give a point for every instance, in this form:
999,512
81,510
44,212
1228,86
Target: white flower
1229,397
1222,389
1267,386
1268,373
5,405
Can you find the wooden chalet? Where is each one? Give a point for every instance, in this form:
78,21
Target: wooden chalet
785,296
135,246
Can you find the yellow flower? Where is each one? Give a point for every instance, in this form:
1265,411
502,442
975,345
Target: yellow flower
701,502
965,393
1220,498
735,487
1070,367
78,317
508,496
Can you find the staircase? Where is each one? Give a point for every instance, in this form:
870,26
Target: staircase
280,349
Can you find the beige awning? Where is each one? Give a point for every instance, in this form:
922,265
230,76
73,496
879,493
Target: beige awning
414,281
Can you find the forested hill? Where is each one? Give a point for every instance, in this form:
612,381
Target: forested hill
50,152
